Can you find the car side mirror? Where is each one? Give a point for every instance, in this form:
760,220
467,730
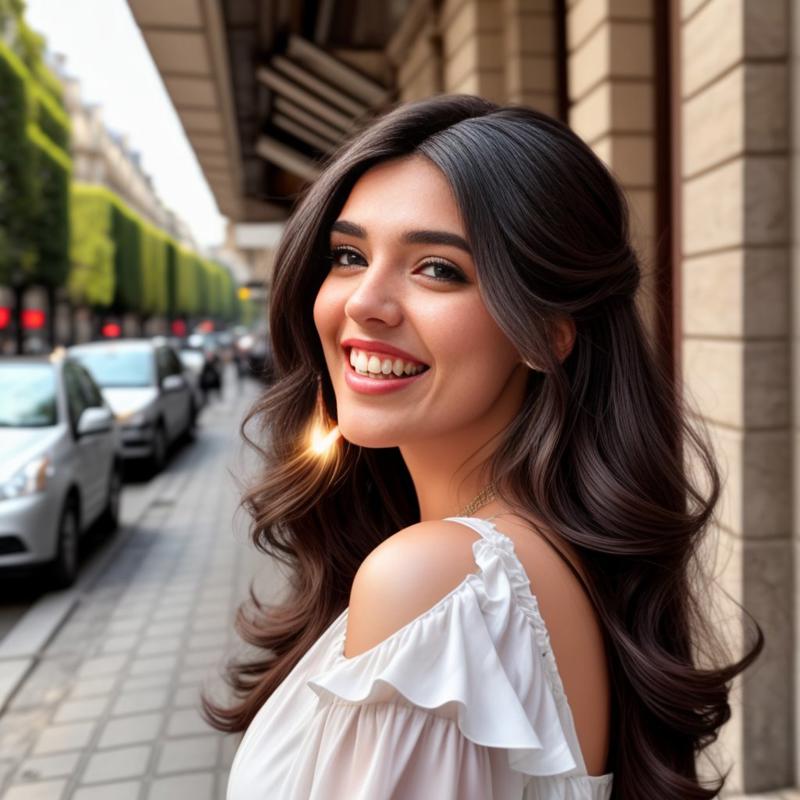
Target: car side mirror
173,383
95,420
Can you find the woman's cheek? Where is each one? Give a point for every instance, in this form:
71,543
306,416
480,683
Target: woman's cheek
325,313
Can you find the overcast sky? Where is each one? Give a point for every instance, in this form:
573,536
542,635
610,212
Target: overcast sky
106,52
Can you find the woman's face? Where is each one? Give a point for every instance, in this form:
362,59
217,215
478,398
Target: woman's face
402,276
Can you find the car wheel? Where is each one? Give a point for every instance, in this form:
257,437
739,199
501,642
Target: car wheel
111,512
159,455
64,567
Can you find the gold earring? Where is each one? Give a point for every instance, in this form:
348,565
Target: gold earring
324,433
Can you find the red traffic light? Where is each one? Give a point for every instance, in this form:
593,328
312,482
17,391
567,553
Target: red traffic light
32,319
111,330
5,317
179,328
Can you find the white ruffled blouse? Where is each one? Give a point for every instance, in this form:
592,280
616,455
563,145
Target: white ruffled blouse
465,702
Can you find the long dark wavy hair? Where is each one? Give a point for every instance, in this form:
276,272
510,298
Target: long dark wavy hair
602,449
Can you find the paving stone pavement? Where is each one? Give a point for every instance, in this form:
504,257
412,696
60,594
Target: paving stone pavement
111,710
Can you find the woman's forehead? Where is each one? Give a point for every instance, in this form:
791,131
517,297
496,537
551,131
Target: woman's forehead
403,193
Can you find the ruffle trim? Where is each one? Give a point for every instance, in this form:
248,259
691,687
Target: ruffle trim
500,545
470,654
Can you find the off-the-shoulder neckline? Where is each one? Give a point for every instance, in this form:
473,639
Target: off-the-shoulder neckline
394,635
528,604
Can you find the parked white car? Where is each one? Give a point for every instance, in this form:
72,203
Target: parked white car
59,466
144,383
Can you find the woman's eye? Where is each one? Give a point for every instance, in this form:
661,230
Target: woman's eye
344,257
444,272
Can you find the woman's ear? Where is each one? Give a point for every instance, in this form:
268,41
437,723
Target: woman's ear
565,333
565,337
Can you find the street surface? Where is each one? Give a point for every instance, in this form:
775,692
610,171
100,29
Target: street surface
109,707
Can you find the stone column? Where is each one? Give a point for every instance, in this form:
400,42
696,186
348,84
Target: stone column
415,51
611,96
472,48
530,54
735,318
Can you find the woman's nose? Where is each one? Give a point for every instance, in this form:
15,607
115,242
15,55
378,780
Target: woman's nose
376,298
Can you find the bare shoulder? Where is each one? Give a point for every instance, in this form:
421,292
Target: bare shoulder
403,577
412,570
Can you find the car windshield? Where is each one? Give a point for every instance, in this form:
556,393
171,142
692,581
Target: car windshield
28,396
118,367
193,359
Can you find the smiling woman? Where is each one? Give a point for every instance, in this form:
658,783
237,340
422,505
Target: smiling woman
455,331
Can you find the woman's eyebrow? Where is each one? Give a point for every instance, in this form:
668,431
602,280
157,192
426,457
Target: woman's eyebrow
411,237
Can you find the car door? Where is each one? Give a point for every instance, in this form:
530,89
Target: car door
84,449
184,394
103,444
170,400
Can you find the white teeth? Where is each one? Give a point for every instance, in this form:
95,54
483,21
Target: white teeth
379,366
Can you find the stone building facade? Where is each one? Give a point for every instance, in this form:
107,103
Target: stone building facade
106,158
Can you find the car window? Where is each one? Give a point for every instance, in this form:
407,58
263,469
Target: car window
114,367
28,398
176,368
163,362
193,359
91,393
76,399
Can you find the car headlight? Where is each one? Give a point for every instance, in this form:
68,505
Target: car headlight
32,478
138,419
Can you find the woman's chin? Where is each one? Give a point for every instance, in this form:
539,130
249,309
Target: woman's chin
357,435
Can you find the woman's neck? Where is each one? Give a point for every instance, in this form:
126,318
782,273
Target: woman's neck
446,476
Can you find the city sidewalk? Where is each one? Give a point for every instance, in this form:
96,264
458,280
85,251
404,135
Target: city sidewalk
111,709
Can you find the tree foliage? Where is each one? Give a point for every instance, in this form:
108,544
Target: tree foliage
51,210
91,278
122,262
54,233
17,174
35,168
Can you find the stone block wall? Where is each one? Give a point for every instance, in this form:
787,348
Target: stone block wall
611,105
735,316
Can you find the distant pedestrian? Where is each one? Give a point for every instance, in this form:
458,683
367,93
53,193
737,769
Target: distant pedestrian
211,376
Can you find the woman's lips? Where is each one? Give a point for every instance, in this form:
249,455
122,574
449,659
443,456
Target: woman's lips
363,384
386,350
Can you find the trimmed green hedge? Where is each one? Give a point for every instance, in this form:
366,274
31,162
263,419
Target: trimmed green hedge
51,210
51,117
35,171
92,279
126,232
55,233
141,269
17,173
154,270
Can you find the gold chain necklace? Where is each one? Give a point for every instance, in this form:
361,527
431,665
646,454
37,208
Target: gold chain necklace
484,496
